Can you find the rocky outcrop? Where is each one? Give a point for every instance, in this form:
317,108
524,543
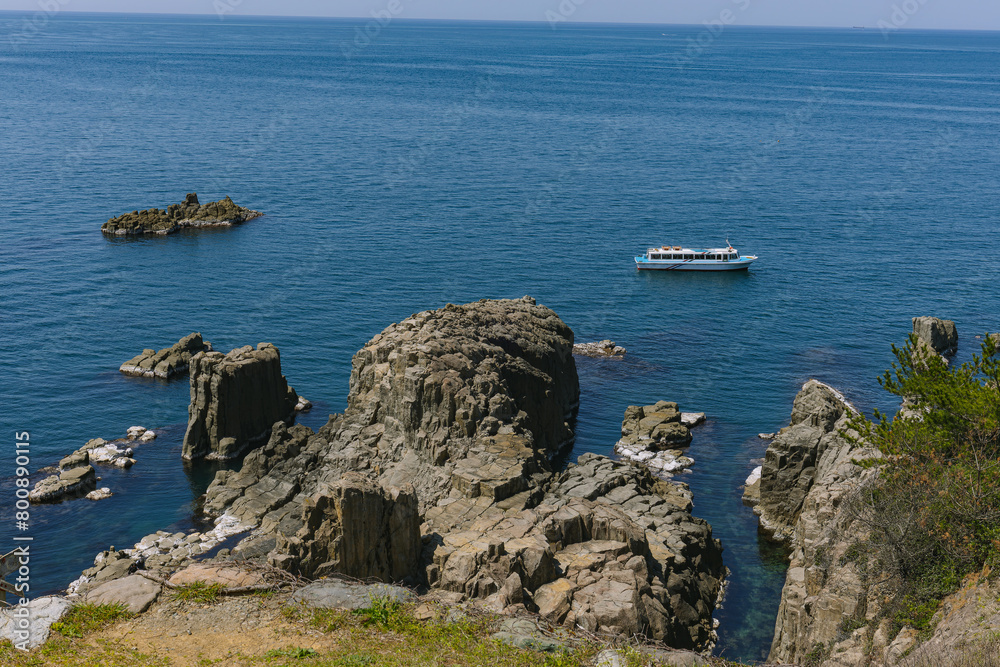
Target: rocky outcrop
604,348
189,213
807,477
72,482
455,419
653,435
235,399
940,335
791,463
168,362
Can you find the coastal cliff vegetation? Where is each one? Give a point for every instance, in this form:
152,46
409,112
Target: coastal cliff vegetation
932,514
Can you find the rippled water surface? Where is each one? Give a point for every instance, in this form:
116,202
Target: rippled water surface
448,162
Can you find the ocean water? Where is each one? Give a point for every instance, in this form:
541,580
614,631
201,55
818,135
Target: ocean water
447,162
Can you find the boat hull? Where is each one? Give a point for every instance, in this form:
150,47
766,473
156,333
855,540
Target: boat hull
741,264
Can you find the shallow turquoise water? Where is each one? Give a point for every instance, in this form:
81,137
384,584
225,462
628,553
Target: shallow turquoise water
447,162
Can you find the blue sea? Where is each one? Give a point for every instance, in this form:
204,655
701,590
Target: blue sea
437,162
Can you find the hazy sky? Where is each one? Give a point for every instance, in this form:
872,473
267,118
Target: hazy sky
967,14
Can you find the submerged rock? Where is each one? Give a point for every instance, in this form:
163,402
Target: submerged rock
235,399
604,348
99,494
168,362
189,213
70,483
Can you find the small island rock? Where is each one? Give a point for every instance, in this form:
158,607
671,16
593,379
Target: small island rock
189,213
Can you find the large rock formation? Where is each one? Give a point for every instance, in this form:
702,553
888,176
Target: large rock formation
189,213
791,462
940,335
169,361
807,477
235,400
457,415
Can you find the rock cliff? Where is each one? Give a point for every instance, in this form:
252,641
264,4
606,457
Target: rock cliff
189,213
454,420
806,485
235,400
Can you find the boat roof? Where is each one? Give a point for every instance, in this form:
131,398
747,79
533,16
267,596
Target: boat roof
667,248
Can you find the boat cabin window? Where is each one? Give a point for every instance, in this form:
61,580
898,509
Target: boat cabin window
711,256
688,256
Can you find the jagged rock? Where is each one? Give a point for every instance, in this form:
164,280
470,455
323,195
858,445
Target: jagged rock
178,216
77,459
70,483
471,405
134,591
808,474
940,335
235,400
789,468
167,363
604,348
692,419
751,487
651,436
355,528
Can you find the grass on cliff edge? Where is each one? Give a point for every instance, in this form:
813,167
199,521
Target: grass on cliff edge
385,634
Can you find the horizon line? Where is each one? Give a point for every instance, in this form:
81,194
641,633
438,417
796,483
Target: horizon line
566,22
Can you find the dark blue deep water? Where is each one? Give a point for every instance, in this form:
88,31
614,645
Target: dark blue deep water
448,162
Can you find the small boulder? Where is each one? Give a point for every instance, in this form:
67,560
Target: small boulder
99,494
134,591
42,613
337,594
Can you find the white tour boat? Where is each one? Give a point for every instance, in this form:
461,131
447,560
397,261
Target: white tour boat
676,258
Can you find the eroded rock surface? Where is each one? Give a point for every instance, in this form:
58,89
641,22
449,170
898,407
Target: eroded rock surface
235,400
653,435
940,335
790,463
808,474
189,213
456,416
168,362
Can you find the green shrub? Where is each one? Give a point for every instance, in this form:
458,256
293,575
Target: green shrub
933,512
